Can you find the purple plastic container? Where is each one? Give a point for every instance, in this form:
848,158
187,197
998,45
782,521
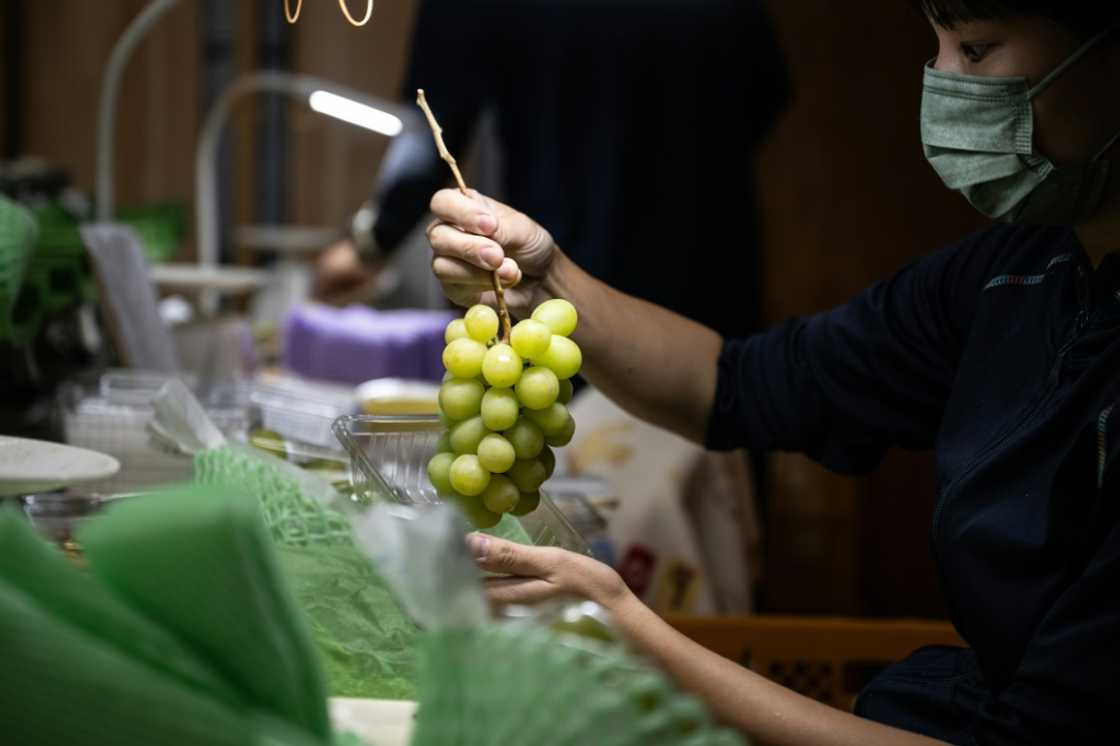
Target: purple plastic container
356,344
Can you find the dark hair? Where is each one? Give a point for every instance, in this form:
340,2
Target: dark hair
1081,16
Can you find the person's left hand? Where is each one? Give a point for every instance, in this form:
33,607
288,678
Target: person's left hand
341,278
537,574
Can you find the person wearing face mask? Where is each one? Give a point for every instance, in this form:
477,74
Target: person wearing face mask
1001,352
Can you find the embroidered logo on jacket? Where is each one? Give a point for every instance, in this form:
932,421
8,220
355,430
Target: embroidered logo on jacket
1021,280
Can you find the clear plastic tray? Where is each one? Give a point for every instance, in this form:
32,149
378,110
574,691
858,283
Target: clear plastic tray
388,462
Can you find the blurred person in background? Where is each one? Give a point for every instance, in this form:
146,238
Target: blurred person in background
622,127
625,129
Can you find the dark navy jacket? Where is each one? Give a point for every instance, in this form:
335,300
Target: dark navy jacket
1002,353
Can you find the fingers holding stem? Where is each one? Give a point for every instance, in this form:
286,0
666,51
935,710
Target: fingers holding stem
445,154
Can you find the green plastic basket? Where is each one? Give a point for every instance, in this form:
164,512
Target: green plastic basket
58,273
515,683
161,229
61,281
20,311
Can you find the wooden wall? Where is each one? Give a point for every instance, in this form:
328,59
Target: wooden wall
849,199
67,43
5,11
66,46
333,165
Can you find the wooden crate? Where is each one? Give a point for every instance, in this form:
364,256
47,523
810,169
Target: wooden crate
828,659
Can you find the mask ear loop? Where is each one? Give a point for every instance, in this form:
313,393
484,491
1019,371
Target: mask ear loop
350,18
288,14
1054,74
1107,146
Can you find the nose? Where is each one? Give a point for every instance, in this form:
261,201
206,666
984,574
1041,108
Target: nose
947,62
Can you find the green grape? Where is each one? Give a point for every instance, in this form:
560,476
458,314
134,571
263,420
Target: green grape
526,437
445,420
465,436
463,357
455,330
467,475
443,445
548,458
476,512
564,436
530,338
563,357
502,366
528,474
496,453
527,504
460,399
500,409
481,323
501,495
538,388
439,472
558,315
567,391
552,419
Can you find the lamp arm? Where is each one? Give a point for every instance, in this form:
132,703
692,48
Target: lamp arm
110,93
207,224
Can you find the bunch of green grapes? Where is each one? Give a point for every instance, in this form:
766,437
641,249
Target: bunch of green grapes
504,405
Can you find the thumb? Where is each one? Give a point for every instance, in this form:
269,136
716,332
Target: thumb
509,558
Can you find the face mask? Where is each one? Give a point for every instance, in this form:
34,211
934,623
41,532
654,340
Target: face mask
978,134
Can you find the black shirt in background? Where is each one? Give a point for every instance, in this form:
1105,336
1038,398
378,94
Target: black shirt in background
629,129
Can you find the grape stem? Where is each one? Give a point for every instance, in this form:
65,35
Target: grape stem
445,154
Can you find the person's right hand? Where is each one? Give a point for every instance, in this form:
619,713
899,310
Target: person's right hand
474,235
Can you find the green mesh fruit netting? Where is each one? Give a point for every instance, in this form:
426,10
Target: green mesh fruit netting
293,502
506,684
366,643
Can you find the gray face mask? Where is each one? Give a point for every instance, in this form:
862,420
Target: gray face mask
978,134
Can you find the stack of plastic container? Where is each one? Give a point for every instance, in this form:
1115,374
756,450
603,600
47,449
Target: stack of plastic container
113,415
292,418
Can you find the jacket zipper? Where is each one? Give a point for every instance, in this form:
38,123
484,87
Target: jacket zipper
1053,382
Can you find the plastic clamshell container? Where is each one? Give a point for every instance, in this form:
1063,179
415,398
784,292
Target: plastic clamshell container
388,463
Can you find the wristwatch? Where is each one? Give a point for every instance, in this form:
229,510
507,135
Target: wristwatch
361,233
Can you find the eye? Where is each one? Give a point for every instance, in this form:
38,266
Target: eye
976,52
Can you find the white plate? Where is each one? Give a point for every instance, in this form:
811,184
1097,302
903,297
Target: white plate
29,466
378,722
